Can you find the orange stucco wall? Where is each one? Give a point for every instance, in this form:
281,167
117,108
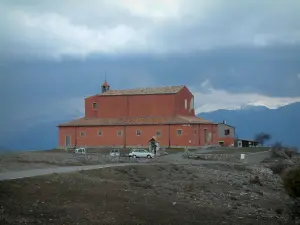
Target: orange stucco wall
130,106
89,111
112,106
151,105
140,105
180,98
192,135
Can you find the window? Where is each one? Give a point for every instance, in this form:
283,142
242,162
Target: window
119,133
95,106
100,133
82,134
138,133
185,103
179,132
227,132
158,133
68,140
192,104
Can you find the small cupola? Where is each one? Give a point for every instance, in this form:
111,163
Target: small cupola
105,87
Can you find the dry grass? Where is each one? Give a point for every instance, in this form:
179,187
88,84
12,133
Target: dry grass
162,194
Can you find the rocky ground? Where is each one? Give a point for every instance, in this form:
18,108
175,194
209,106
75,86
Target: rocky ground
160,194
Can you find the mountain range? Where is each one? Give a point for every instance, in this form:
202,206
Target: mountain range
282,123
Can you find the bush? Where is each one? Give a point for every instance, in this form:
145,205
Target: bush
255,180
290,152
291,182
277,146
278,168
278,151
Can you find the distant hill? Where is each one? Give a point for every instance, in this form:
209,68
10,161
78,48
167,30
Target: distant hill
282,123
42,136
4,149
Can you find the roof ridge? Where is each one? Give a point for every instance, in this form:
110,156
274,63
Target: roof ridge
144,91
154,87
177,119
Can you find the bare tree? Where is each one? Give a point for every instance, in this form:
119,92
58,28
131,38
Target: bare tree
262,137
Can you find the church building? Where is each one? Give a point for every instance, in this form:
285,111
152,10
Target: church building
130,118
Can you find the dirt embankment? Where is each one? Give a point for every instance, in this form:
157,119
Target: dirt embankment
162,194
46,159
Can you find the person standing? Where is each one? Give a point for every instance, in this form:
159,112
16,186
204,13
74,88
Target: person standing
186,151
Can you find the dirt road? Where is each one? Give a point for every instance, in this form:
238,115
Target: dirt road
10,175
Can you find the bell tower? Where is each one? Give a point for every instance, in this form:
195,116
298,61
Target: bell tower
105,87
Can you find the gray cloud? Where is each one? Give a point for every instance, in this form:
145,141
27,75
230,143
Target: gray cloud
55,53
75,28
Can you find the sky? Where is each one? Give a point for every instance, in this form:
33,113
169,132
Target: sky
228,53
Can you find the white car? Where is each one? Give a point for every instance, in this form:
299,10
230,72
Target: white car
115,153
80,151
141,153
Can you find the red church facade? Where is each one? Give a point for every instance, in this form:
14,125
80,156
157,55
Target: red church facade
129,118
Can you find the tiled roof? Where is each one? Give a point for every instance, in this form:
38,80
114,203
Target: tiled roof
146,91
135,121
225,124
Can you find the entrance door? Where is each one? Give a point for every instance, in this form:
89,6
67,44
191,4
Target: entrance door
68,141
205,136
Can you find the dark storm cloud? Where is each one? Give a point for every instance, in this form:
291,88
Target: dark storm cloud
266,71
74,28
53,54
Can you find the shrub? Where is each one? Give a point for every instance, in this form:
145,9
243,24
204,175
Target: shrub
279,211
278,151
278,168
291,182
277,146
255,180
290,152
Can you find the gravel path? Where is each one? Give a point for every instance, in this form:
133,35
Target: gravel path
64,169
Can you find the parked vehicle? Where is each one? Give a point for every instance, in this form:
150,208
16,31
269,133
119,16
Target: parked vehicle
80,151
141,153
115,153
